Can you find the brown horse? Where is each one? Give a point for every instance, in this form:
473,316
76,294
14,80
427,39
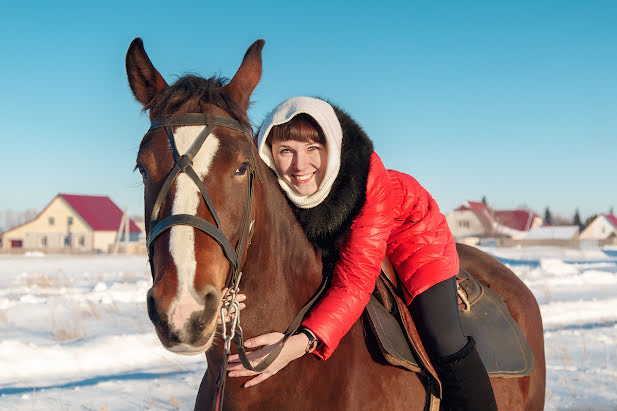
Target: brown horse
281,269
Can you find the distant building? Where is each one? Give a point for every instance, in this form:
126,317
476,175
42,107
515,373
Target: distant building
603,230
71,223
562,236
474,220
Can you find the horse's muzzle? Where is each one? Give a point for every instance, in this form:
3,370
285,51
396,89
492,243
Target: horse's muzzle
186,326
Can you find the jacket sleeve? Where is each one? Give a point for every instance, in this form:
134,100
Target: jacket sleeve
354,275
421,247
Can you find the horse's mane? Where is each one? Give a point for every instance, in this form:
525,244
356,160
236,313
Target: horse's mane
186,94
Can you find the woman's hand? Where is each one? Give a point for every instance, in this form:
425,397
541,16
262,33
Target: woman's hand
294,348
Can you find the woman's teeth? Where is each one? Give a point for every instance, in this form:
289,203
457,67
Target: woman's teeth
304,177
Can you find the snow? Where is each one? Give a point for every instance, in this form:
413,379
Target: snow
74,331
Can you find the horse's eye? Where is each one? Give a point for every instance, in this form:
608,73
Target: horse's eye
240,171
142,171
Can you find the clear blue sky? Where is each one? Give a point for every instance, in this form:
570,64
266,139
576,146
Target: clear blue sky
515,101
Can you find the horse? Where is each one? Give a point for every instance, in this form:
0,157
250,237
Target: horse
220,194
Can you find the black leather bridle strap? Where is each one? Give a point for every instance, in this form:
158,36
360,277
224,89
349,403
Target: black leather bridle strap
197,119
200,224
185,163
291,330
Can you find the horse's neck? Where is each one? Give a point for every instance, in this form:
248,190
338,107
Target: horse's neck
283,269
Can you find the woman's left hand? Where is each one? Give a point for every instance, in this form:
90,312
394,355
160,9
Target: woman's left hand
295,347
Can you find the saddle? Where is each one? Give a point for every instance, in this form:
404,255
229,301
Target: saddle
483,314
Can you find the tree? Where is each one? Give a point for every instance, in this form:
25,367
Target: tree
611,211
484,200
547,216
577,219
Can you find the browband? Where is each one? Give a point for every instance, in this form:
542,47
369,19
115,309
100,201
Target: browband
197,119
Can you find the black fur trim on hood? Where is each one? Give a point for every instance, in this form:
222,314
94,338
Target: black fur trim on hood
326,222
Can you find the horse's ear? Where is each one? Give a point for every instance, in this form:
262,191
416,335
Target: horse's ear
247,77
145,81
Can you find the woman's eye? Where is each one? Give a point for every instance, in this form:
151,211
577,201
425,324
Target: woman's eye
285,151
240,171
312,148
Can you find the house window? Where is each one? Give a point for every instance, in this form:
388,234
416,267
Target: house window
463,224
67,241
51,221
44,241
82,240
16,244
70,221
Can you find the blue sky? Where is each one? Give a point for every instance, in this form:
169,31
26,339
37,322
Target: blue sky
514,101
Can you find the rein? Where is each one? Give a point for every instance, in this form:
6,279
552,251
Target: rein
184,164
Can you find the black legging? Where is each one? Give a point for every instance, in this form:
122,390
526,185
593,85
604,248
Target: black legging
435,313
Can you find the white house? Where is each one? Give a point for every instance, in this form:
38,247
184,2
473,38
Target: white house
71,223
475,220
602,229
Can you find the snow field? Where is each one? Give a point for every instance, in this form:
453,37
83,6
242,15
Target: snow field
74,332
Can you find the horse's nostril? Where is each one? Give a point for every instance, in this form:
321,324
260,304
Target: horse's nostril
152,311
211,303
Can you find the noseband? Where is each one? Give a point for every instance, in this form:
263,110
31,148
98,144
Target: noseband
184,164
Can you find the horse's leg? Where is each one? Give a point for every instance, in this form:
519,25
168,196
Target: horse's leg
525,311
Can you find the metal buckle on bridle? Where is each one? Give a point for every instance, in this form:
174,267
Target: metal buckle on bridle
231,305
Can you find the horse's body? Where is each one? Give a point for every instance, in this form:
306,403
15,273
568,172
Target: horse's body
281,269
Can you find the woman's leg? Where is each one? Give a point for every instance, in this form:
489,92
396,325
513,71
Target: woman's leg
464,378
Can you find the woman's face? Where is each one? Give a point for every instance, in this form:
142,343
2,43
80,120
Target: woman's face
301,164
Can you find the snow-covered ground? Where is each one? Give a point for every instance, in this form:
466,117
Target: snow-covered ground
74,333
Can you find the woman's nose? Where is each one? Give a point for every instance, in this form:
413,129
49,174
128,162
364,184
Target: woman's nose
299,161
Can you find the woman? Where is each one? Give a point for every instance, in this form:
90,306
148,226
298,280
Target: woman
357,212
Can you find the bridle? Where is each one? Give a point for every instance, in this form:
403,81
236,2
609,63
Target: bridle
184,164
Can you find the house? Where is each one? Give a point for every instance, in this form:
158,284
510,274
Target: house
473,220
603,230
562,236
76,223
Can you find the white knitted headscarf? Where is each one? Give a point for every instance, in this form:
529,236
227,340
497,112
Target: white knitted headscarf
324,115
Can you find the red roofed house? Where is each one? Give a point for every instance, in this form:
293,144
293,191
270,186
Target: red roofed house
476,219
603,229
71,222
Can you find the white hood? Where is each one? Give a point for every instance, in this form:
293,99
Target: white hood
324,115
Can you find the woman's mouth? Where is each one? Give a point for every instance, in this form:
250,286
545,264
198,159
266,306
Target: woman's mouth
302,179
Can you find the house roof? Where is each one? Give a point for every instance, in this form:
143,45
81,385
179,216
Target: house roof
563,232
520,220
612,219
99,212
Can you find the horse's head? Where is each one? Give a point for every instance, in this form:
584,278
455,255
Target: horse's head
197,162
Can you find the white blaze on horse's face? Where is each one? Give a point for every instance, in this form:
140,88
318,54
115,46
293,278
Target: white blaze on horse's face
182,237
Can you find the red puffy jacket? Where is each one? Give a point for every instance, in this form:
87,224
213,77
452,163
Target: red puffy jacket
399,218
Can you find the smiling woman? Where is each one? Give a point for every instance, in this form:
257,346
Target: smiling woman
300,153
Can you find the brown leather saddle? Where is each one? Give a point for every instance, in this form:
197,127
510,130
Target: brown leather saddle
499,340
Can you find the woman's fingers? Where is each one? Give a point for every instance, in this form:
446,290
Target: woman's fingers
227,319
265,339
242,373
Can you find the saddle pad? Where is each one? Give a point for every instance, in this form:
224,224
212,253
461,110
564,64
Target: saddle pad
499,340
